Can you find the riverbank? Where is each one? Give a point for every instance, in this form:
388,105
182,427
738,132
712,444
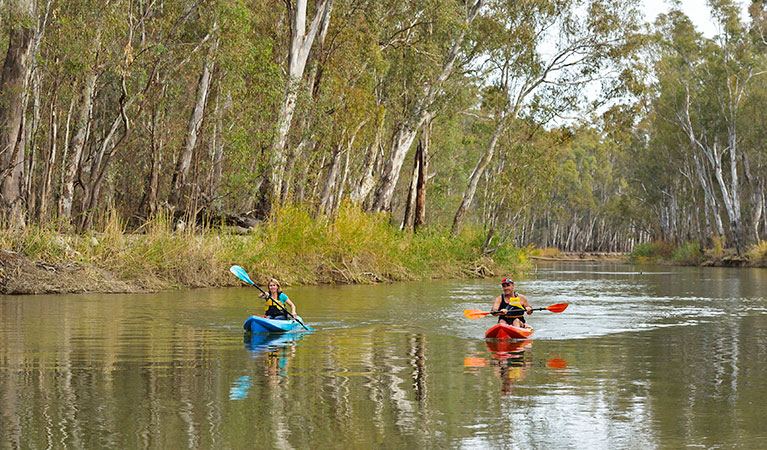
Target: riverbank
584,256
351,248
692,254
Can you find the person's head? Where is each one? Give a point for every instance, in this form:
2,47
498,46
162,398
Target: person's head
274,286
507,284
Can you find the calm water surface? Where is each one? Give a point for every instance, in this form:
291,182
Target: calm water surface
643,358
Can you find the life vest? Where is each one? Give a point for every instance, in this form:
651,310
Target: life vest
514,306
277,306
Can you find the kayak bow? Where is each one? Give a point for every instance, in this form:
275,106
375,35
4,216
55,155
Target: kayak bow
258,324
503,331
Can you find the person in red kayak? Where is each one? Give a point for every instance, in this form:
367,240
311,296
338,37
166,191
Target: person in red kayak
276,302
510,306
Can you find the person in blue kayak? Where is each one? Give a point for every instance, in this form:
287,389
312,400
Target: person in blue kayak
277,302
510,306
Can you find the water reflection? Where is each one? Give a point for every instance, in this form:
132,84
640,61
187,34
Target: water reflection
509,361
650,368
274,351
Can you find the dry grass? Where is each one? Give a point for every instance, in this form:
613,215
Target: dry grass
350,247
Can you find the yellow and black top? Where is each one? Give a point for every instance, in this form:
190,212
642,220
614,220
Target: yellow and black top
276,307
514,307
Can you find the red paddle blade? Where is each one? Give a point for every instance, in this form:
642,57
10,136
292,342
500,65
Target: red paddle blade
474,313
558,308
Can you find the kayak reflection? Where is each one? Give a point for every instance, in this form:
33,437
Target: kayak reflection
509,362
260,343
274,352
276,349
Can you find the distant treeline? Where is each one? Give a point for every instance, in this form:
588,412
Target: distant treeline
437,112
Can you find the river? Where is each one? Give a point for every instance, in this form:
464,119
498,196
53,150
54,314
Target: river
643,357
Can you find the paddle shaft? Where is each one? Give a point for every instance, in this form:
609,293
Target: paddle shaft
476,314
495,313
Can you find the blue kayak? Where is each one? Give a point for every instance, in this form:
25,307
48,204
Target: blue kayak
258,324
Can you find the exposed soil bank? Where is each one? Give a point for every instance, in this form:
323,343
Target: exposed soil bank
20,275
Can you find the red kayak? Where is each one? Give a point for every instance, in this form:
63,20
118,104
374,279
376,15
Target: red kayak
503,331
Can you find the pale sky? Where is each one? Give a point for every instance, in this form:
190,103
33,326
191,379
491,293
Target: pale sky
696,10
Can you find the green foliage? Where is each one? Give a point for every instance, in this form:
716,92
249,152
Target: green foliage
293,246
717,251
688,254
757,254
628,175
652,251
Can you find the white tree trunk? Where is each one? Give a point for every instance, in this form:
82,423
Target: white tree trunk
50,162
479,169
406,130
373,156
301,42
76,148
184,162
13,87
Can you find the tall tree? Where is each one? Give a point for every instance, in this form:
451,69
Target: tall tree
548,52
301,41
707,82
179,190
405,131
13,88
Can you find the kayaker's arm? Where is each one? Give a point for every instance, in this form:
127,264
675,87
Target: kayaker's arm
525,303
292,306
497,304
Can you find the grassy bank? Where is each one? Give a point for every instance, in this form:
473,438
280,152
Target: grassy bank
350,247
692,254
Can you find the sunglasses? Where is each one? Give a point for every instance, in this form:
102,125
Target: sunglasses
507,284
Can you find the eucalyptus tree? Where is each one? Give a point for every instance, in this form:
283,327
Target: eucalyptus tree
14,79
301,41
541,55
179,191
704,86
420,107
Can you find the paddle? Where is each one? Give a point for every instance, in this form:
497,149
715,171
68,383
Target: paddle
477,314
241,274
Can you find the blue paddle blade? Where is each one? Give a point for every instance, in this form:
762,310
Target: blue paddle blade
241,274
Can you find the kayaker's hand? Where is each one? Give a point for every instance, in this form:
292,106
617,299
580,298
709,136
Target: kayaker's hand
529,310
503,312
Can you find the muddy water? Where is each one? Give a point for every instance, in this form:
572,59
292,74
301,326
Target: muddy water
650,357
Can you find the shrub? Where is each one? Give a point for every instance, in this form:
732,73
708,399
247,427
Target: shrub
351,246
717,251
652,251
757,254
689,253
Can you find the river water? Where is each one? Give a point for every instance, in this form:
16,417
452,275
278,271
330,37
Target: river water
643,357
